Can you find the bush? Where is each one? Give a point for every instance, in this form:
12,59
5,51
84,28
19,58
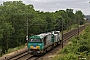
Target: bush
66,50
69,56
74,40
83,48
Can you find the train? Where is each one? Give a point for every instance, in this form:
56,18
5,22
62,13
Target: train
41,43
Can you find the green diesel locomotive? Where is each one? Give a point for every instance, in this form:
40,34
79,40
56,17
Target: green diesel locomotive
43,42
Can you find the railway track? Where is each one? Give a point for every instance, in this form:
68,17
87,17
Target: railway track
25,56
56,50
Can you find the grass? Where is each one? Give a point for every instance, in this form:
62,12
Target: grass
10,50
15,49
58,56
74,26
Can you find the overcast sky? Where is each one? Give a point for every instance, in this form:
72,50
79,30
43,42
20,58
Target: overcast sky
54,5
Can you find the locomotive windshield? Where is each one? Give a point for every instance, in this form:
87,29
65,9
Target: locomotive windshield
35,40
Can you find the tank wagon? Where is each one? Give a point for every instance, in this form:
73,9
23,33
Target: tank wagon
43,42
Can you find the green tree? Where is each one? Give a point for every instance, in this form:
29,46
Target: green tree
79,17
7,33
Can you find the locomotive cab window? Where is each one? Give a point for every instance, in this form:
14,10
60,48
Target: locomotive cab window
35,40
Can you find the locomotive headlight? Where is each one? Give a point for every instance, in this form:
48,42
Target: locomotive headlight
31,47
38,47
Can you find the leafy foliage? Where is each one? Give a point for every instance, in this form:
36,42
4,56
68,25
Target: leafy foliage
78,48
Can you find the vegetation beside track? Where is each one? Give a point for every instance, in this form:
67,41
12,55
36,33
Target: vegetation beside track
78,48
11,50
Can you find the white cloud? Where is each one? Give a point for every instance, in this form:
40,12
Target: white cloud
53,5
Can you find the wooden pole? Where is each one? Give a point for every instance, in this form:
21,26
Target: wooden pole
62,33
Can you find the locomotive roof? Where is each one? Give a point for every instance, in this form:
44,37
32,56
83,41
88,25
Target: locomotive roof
42,35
